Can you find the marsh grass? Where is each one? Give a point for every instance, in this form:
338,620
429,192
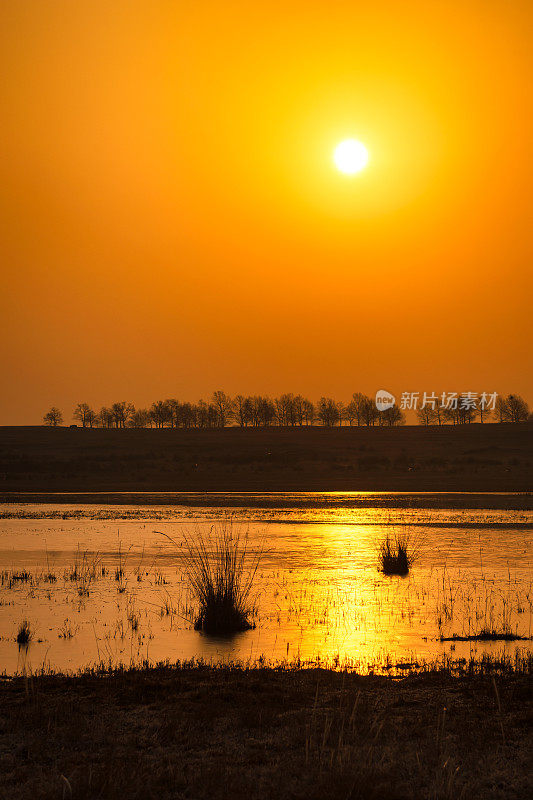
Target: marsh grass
24,634
248,733
83,572
480,610
11,578
221,568
397,553
67,630
486,635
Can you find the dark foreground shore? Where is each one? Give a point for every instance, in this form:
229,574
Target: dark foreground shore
463,458
199,732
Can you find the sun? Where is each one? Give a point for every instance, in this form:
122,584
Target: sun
350,156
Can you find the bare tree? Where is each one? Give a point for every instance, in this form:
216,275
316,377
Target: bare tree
518,409
355,408
263,411
53,418
139,419
327,411
285,408
308,412
160,413
456,413
105,417
188,417
361,410
350,413
369,411
391,416
484,410
207,415
84,414
241,410
224,407
173,412
121,413
425,415
512,408
291,410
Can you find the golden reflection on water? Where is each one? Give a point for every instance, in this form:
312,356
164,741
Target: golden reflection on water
319,592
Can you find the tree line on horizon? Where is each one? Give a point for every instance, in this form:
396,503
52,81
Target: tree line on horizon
288,410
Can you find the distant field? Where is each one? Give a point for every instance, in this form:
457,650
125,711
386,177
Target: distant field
411,458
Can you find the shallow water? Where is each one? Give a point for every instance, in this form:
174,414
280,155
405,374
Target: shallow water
319,592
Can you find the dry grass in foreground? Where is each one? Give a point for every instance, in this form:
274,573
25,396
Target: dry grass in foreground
194,731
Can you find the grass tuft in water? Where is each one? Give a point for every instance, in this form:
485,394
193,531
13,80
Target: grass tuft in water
396,555
24,634
221,570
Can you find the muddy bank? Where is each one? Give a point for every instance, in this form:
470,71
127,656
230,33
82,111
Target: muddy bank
111,505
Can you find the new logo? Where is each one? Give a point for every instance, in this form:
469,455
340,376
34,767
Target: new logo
384,400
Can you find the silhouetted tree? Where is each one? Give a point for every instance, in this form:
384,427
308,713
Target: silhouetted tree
263,411
517,408
308,412
512,408
438,416
84,414
53,418
285,409
484,409
140,418
247,411
457,414
105,418
207,415
425,416
355,408
302,410
223,405
187,415
391,416
291,410
121,413
327,411
241,410
369,411
160,413
173,410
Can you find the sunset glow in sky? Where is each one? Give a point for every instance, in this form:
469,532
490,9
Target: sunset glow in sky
172,221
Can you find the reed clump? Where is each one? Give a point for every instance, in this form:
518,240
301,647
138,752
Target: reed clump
221,568
397,554
24,633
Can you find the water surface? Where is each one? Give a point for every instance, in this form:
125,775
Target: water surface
105,582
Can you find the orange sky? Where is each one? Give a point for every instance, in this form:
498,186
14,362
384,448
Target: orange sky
171,220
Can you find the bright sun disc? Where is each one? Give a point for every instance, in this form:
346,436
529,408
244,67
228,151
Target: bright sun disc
350,156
